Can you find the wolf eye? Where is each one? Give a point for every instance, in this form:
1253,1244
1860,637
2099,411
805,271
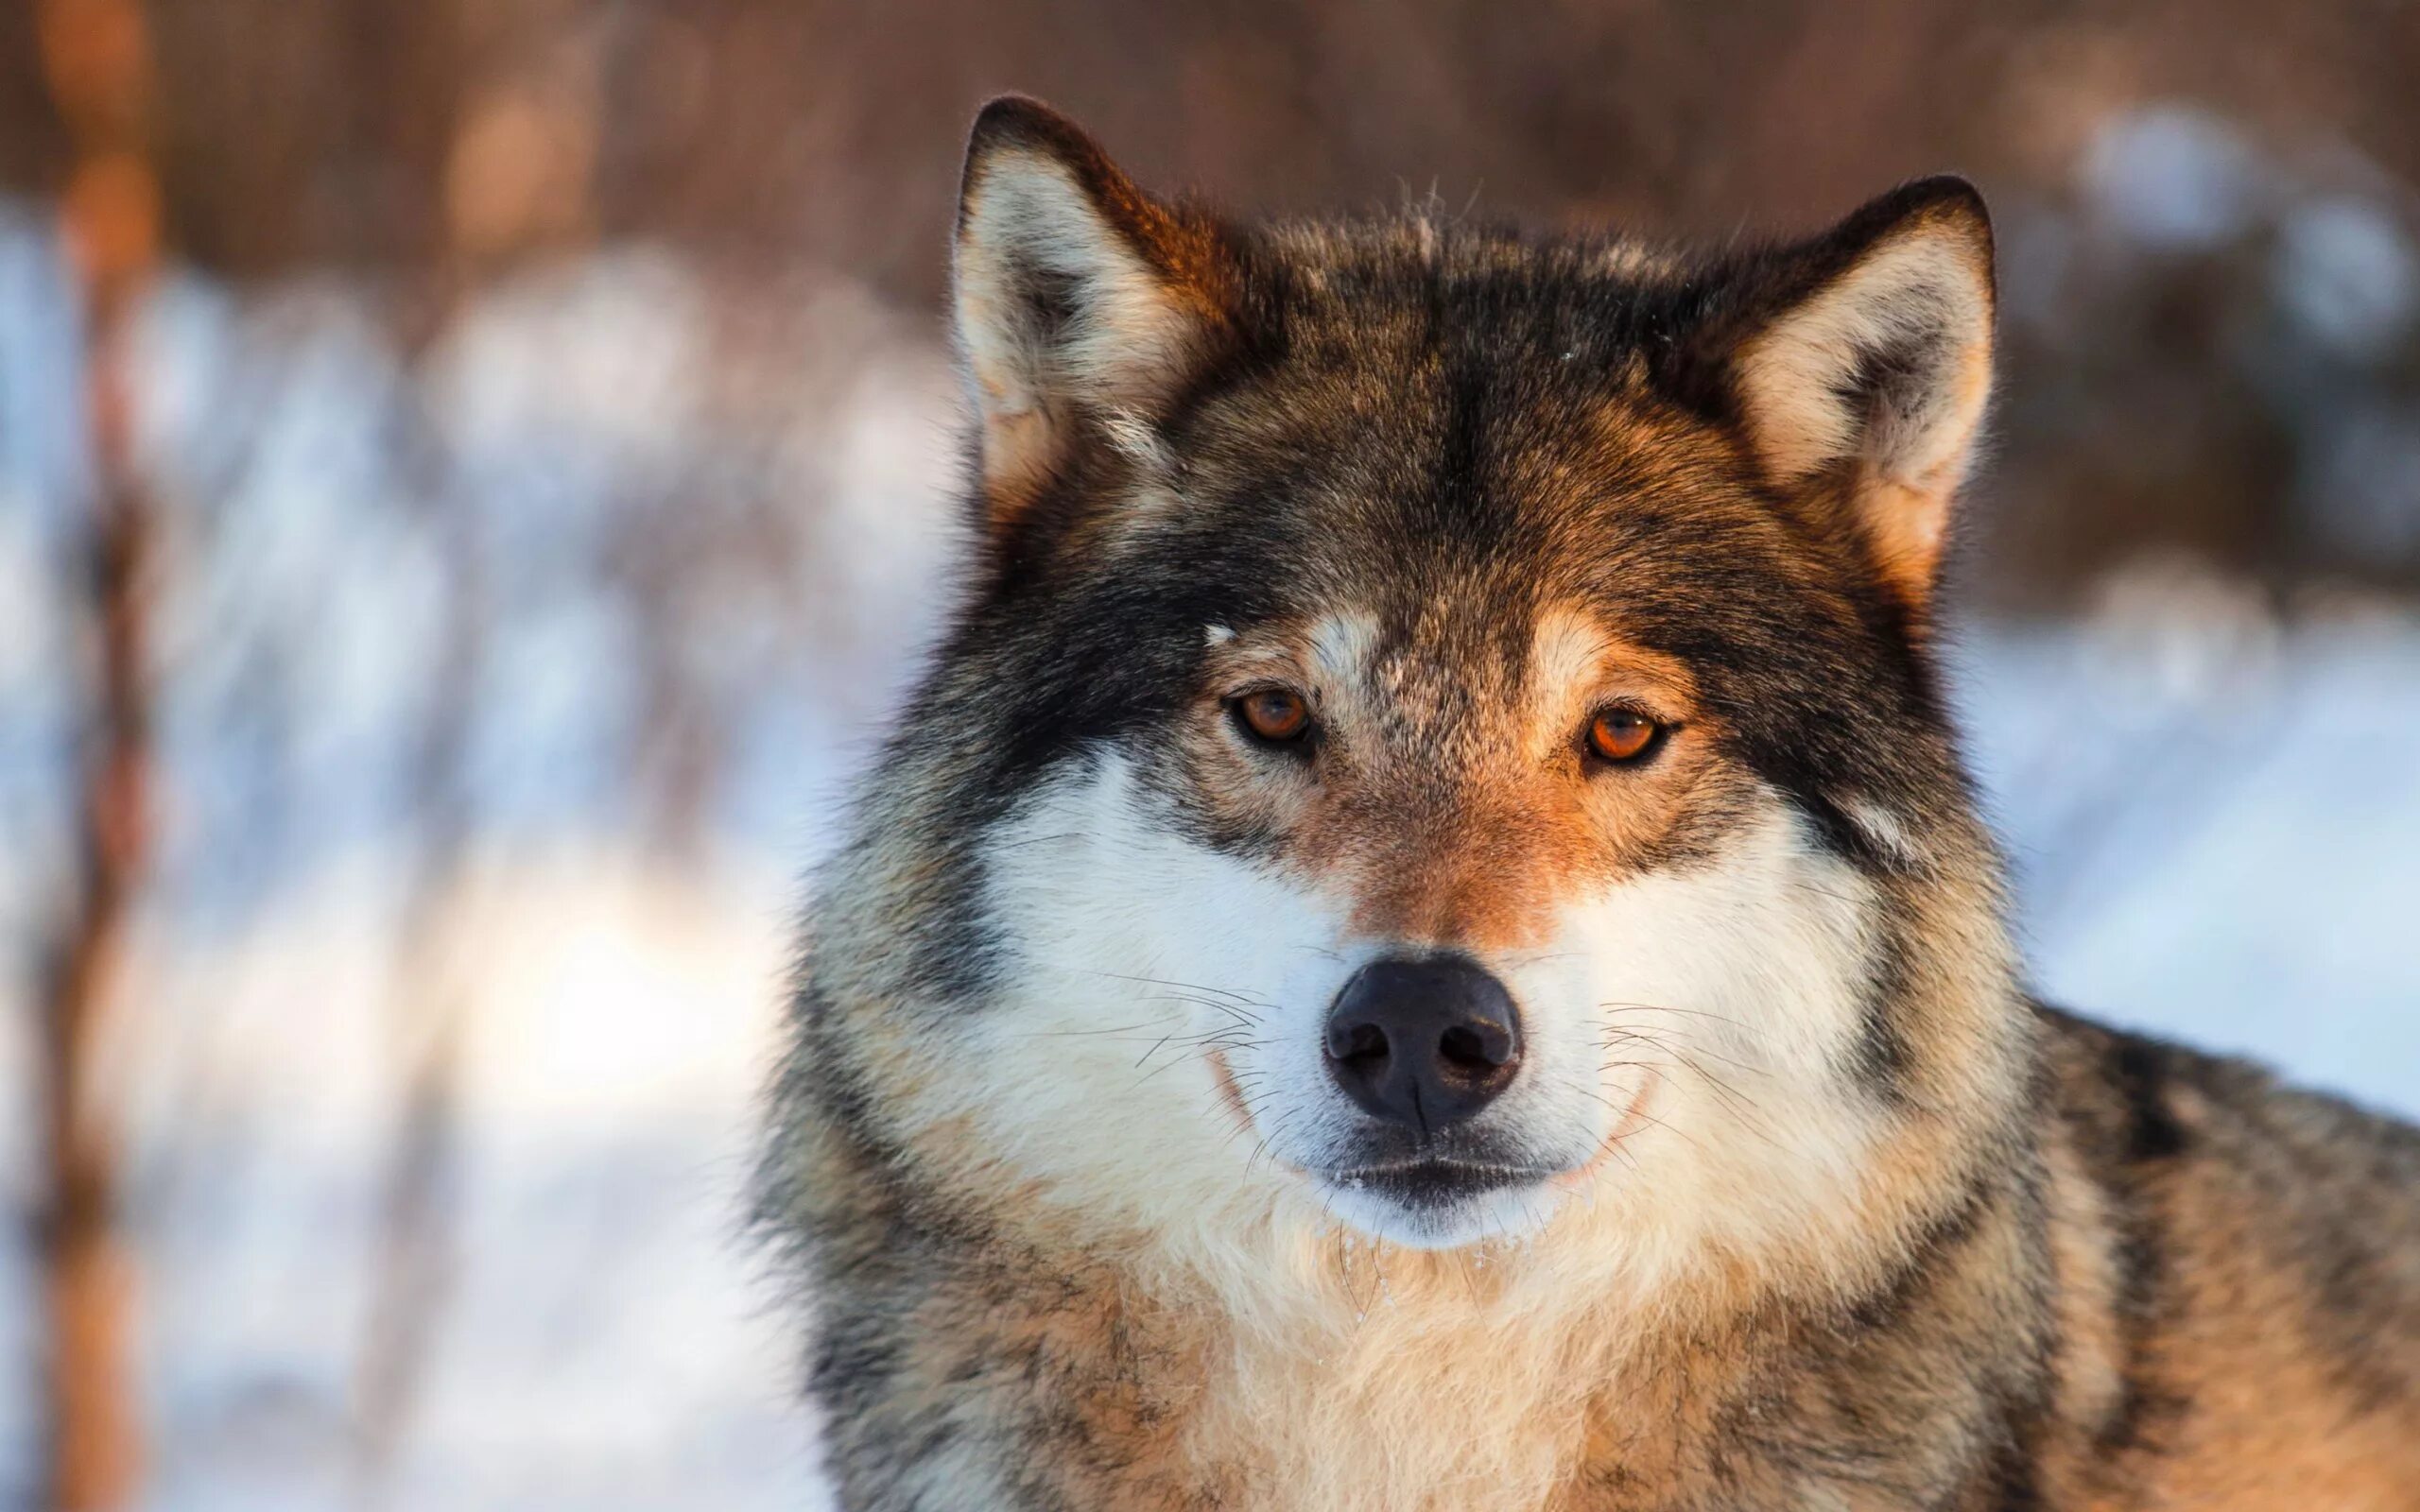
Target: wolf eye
1275,716
1622,736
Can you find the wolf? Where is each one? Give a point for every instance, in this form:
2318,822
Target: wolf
1424,944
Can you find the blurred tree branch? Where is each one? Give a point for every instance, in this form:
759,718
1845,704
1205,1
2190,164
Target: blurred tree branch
96,62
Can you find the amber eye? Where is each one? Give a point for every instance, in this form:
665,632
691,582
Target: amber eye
1622,736
1273,714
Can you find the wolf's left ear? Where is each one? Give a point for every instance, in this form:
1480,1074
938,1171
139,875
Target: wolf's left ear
1080,299
1868,351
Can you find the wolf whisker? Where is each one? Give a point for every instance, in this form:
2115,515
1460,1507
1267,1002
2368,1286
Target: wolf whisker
1737,1106
1189,987
1643,1038
1023,841
1212,1003
1688,1061
1067,1034
1687,1013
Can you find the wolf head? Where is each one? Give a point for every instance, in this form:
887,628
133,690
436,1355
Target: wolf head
1440,742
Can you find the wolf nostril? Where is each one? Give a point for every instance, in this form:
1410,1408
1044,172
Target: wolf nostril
1365,1043
1475,1049
1423,1043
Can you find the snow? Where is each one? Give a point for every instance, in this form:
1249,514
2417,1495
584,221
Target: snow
2173,177
2349,274
605,1340
2215,823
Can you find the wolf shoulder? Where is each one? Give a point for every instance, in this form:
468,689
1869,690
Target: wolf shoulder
2241,1267
2158,1111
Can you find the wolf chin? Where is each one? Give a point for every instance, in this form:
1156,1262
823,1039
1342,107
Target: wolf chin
1425,944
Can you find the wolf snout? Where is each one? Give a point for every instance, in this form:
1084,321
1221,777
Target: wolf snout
1424,1043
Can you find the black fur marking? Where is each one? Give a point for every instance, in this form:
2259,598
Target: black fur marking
1843,836
1883,1057
2016,1484
2138,1074
1934,1251
2143,1404
2146,1135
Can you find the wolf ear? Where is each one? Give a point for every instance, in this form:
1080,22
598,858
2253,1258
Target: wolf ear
1869,350
1078,298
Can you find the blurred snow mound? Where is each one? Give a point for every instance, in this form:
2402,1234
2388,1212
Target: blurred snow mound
2213,820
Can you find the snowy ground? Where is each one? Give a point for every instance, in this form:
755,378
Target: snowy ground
2215,822
602,1340
2214,815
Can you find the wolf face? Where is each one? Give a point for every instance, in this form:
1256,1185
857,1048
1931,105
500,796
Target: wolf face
1441,736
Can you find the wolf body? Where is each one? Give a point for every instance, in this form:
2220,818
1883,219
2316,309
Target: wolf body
1424,943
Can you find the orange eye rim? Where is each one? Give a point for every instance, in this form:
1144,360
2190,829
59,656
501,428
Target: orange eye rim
1620,736
1273,716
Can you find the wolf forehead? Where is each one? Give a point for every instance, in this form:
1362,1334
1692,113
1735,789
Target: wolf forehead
1390,411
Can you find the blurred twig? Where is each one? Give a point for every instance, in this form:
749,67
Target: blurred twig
412,1261
509,138
95,60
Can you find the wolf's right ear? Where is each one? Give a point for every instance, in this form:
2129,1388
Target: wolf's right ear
1868,351
1078,298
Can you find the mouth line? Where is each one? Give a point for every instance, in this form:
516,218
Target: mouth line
1429,1189
1440,1166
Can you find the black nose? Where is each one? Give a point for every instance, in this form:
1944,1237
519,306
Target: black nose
1424,1043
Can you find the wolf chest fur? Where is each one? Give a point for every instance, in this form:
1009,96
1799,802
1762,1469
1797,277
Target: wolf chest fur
1423,942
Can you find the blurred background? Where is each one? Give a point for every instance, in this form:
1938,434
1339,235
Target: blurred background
473,474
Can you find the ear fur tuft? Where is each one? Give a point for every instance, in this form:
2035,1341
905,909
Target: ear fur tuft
1875,357
1077,298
